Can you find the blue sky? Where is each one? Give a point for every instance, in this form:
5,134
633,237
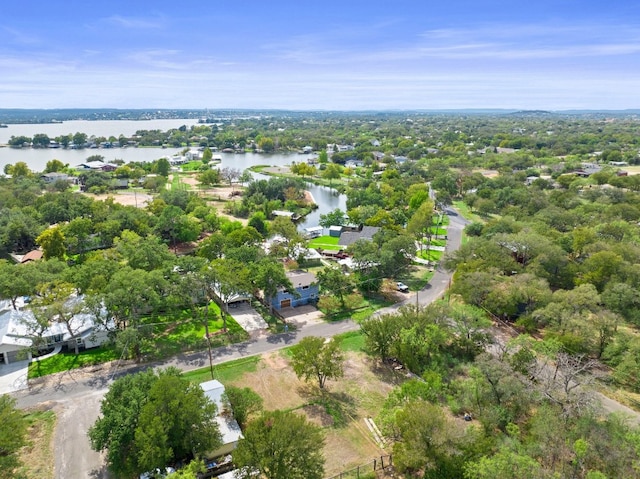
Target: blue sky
329,55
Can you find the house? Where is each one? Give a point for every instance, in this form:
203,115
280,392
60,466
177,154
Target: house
54,176
16,338
314,231
120,183
33,255
96,166
400,159
354,163
366,233
306,291
378,155
228,426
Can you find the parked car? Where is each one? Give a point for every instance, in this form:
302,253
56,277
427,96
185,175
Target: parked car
403,288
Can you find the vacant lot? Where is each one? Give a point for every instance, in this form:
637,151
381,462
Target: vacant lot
340,410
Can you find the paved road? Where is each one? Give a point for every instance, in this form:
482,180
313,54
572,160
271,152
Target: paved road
76,395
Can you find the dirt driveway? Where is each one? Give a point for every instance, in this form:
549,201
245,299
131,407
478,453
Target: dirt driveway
74,457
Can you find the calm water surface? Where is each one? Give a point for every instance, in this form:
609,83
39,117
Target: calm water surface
37,159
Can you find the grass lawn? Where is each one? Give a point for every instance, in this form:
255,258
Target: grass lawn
180,332
173,333
326,242
438,231
363,311
444,221
351,341
226,372
466,213
430,255
67,361
37,457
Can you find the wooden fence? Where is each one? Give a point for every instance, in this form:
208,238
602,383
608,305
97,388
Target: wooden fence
371,469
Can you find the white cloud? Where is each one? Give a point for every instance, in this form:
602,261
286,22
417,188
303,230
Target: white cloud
151,22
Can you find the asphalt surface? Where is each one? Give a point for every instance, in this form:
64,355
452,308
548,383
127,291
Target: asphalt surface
76,395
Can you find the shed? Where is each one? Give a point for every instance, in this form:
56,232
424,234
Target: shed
335,231
229,428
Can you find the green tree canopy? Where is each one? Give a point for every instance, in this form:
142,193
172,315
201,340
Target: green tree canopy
280,445
149,421
13,435
313,357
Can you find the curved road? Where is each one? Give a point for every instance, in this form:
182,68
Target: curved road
76,395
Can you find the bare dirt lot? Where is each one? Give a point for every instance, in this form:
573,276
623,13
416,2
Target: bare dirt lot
340,410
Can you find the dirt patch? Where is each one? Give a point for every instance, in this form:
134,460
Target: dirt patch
126,198
340,410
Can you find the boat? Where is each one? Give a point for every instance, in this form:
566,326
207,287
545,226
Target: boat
2,125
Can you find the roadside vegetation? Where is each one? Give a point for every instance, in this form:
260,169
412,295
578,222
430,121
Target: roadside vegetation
550,255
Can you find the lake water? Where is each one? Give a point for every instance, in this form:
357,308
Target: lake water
37,159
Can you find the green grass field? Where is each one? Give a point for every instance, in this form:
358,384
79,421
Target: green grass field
224,372
325,242
68,361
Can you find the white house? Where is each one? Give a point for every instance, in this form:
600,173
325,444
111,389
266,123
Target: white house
229,428
17,339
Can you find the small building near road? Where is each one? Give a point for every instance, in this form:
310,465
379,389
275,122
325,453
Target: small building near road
229,428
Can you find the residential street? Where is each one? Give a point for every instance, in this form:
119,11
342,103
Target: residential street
76,395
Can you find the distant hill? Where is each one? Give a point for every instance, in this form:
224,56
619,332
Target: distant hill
16,115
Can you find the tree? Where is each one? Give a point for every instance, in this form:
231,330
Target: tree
177,421
57,303
427,437
332,172
420,223
114,432
334,282
149,421
242,403
54,166
207,155
13,436
333,218
162,167
269,275
52,242
313,357
280,445
209,177
505,463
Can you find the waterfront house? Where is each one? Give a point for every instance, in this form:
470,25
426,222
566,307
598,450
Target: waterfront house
54,176
349,237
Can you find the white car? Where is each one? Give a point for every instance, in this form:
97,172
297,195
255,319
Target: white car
403,288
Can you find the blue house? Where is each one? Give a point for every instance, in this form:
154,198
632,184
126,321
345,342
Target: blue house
305,286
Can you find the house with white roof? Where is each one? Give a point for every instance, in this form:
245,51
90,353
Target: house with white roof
18,337
228,426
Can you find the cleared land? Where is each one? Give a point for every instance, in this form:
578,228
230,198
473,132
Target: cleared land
340,410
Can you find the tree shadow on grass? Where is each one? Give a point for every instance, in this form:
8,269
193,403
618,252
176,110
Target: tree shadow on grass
332,409
386,371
